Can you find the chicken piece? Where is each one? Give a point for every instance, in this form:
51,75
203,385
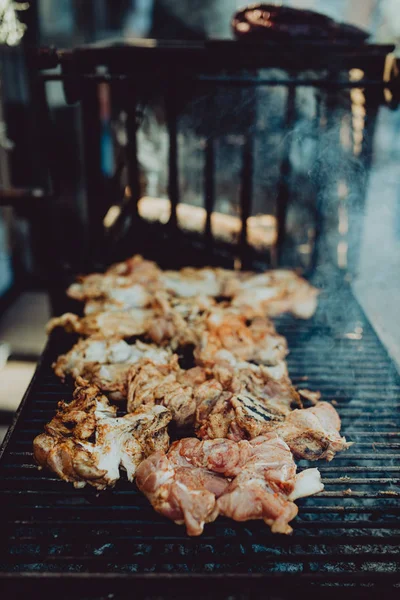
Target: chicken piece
86,443
167,322
96,349
168,385
191,395
183,494
272,293
121,324
191,282
310,433
226,333
240,417
195,481
266,485
127,284
269,388
121,298
137,268
313,433
106,362
175,320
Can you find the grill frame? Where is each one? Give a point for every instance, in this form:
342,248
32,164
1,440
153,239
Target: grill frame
178,71
286,562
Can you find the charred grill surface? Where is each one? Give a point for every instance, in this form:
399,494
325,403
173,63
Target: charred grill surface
348,535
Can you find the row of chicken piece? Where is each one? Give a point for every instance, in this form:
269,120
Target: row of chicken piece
137,298
192,482
238,396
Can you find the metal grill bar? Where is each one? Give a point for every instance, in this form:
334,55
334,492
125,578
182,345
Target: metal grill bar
283,190
209,184
246,196
349,532
173,181
132,154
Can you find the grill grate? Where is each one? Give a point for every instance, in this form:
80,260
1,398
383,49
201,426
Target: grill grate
349,535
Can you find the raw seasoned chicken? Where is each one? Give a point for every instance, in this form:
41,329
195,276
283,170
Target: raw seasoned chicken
266,486
184,494
224,332
272,293
86,443
119,324
195,481
106,362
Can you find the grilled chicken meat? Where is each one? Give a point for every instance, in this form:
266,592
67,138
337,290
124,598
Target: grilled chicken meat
271,387
195,481
86,443
224,332
106,362
121,324
272,293
169,386
189,283
313,433
195,393
310,433
175,320
168,321
125,283
131,284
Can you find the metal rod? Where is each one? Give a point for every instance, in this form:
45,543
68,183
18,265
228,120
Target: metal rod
209,184
283,190
226,80
173,176
94,179
132,155
246,194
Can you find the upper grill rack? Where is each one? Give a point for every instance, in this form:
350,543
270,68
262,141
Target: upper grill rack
349,535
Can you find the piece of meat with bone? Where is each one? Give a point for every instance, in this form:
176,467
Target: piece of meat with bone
272,293
311,433
106,362
87,443
195,481
224,332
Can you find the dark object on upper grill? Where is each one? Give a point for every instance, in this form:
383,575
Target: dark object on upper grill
270,22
